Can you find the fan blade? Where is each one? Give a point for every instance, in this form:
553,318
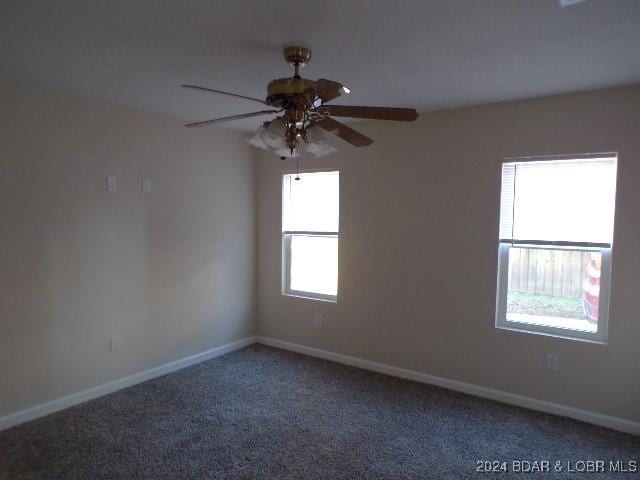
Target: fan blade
205,89
377,113
348,134
327,90
232,117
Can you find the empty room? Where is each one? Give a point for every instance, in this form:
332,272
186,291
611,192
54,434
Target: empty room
340,239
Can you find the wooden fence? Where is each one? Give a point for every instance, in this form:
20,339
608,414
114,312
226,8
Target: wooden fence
547,272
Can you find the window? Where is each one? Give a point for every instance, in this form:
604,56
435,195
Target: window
554,258
310,235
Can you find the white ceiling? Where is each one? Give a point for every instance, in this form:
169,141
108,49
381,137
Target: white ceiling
426,54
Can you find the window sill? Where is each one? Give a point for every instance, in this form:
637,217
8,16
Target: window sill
310,297
569,324
547,332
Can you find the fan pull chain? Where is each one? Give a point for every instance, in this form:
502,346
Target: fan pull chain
297,168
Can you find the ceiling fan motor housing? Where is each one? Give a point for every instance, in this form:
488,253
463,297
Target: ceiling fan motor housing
284,91
295,91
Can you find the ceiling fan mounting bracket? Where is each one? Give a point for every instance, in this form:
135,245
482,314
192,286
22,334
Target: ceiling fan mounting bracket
297,56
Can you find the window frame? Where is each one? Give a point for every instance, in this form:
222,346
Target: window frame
287,235
605,249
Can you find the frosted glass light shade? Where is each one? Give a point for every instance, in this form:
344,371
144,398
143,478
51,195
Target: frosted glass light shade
272,139
318,143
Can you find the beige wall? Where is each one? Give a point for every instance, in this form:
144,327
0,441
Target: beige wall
418,251
170,272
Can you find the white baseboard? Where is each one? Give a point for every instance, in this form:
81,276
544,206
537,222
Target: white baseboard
52,406
75,398
614,423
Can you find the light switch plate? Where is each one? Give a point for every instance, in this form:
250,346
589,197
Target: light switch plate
146,184
114,344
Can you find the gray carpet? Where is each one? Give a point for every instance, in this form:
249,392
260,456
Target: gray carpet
262,413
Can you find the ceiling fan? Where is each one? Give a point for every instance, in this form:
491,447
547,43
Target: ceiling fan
303,114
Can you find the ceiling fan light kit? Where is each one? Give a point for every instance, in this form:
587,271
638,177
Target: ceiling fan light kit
303,116
270,137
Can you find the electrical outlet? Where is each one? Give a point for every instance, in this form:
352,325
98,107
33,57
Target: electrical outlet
114,344
112,184
552,362
317,319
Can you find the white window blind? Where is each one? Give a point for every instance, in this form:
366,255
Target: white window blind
559,201
311,203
